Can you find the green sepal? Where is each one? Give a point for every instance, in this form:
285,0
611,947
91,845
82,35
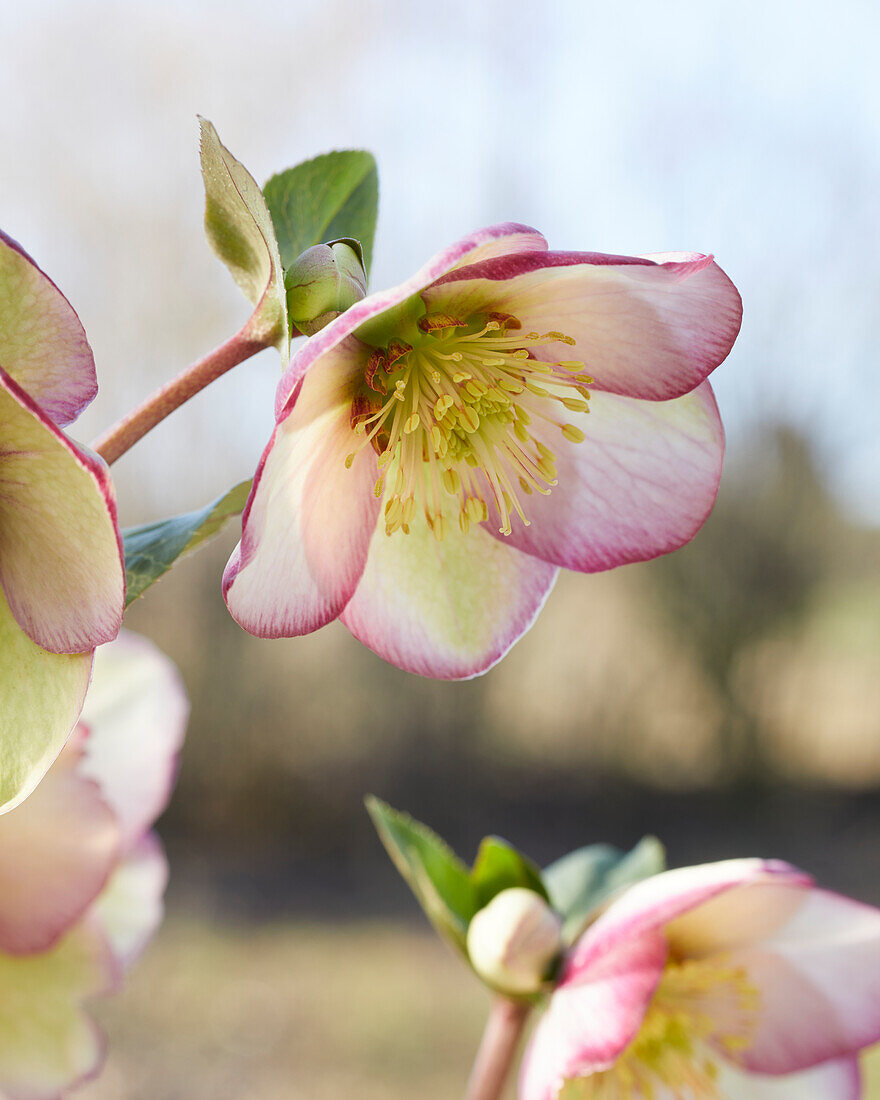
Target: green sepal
151,550
332,197
434,873
240,231
579,883
499,866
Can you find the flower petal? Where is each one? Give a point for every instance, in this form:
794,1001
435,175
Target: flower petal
131,907
837,1080
47,1043
42,696
655,902
136,714
42,342
819,979
587,1026
644,328
308,520
61,563
447,609
57,850
642,483
739,917
493,240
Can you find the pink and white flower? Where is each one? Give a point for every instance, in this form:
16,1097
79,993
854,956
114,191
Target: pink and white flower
81,875
736,979
62,578
433,464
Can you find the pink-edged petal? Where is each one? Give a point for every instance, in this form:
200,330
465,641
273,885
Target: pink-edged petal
510,239
819,981
136,714
448,609
493,240
641,484
48,1045
659,900
61,563
644,329
42,695
57,850
309,519
587,1026
741,917
130,907
837,1080
42,343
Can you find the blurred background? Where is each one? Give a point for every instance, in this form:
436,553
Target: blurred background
726,698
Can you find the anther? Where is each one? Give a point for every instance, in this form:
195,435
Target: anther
451,482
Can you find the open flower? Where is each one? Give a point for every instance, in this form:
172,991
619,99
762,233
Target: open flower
433,463
81,875
62,582
735,979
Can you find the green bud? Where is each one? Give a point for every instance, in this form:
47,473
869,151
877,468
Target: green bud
514,943
323,282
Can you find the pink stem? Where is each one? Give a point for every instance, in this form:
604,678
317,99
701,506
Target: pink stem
498,1048
127,431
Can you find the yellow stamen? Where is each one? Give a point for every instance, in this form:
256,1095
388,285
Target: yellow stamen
699,1006
458,420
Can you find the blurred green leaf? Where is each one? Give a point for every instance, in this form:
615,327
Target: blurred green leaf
586,878
434,873
239,229
499,866
152,549
331,197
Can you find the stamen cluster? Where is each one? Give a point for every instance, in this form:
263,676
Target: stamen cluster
450,417
699,1004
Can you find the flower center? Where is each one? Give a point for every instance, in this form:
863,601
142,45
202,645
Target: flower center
454,420
700,1007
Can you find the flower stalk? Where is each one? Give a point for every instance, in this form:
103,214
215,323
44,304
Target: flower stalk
497,1050
135,425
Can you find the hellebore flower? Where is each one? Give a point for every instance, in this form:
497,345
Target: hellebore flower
433,464
736,979
81,875
62,581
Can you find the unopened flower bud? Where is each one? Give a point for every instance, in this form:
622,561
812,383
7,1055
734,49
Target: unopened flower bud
515,941
323,282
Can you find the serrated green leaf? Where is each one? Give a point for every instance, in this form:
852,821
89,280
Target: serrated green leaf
151,550
499,866
328,198
437,877
240,231
584,879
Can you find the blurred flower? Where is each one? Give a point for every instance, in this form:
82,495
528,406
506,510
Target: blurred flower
514,941
406,488
62,581
736,979
81,875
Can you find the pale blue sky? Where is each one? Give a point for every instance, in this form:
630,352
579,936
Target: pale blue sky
750,130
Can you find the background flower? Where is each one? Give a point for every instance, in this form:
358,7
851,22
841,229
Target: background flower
62,583
719,980
81,875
